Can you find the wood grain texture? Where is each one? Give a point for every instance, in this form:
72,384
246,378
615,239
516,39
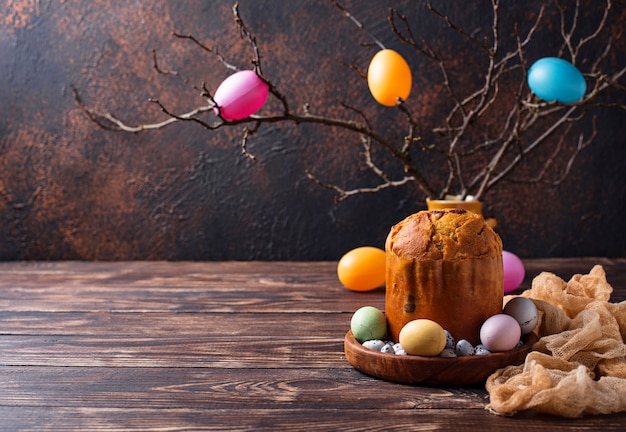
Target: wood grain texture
246,346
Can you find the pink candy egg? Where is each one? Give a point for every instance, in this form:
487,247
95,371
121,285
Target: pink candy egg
514,271
500,333
240,95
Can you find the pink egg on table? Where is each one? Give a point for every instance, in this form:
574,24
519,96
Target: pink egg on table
514,271
240,95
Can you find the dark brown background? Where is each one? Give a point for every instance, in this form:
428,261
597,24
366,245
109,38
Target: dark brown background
70,190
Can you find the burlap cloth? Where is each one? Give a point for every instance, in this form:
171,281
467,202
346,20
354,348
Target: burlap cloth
578,366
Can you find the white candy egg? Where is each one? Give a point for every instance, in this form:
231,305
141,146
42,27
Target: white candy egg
397,347
387,348
374,344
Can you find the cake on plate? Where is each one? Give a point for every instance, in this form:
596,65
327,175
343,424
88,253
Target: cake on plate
446,266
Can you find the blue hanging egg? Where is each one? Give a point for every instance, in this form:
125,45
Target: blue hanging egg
555,79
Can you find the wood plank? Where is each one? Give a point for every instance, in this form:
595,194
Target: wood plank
129,299
190,287
217,352
292,419
111,270
180,324
201,388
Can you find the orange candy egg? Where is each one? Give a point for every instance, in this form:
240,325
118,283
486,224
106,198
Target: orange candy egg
389,77
362,269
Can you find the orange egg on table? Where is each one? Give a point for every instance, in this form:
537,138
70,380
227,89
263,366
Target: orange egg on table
389,77
362,269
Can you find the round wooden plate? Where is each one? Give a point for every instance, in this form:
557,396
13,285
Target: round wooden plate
432,371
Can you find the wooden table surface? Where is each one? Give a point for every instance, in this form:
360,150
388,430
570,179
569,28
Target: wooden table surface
218,346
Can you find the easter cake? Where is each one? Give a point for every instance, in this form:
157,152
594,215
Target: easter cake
446,266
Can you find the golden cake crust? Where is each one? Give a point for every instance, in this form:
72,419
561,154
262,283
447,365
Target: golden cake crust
443,235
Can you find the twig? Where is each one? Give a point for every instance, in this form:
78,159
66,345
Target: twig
213,51
343,194
357,23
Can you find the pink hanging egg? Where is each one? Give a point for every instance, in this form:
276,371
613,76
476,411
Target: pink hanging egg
240,95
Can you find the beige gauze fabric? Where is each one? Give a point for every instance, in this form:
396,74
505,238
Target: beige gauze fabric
578,366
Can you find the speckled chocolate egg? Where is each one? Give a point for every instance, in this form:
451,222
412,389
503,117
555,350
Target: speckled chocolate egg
374,344
450,342
447,352
480,349
463,348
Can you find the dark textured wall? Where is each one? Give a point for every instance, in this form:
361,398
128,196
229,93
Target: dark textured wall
71,190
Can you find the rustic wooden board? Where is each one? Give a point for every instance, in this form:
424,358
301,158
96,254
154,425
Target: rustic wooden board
217,346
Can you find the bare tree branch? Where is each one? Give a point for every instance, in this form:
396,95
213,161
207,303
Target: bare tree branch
497,120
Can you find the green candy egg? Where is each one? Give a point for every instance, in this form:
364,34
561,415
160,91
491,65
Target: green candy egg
368,323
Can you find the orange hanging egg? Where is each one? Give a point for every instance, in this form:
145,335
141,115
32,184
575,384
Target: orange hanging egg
389,77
